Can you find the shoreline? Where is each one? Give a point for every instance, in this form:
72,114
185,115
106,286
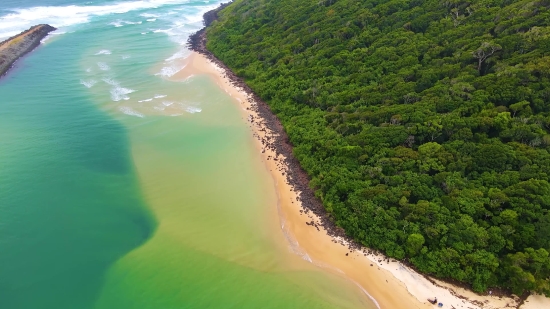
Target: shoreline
12,49
389,283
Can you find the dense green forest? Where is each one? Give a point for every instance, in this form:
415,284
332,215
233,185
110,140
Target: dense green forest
424,124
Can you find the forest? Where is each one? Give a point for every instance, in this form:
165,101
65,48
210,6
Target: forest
423,124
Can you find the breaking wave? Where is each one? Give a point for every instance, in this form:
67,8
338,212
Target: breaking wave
17,20
118,93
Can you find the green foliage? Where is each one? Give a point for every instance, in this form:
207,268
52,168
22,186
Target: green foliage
424,125
414,244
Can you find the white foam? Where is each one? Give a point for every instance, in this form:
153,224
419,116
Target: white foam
116,23
179,55
129,111
159,96
88,83
159,108
146,100
51,34
151,20
167,103
118,93
187,80
103,52
177,114
103,66
306,257
162,30
124,57
192,109
17,20
89,70
170,71
148,15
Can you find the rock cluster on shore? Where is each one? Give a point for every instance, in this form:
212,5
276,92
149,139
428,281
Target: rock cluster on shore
21,44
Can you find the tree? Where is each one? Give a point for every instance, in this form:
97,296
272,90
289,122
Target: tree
414,244
486,50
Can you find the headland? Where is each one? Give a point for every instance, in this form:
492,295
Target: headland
21,44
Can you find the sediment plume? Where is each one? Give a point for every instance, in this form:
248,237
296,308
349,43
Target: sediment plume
21,44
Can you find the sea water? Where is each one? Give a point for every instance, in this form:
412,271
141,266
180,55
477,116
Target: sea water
121,187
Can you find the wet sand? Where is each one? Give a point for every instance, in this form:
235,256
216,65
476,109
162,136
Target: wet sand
389,283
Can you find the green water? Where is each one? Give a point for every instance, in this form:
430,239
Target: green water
139,192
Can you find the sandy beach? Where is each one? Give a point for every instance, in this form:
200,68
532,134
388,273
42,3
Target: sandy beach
389,283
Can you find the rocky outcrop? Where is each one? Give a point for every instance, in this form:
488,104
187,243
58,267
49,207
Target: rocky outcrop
21,44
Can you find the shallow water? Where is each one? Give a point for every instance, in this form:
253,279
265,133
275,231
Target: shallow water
122,189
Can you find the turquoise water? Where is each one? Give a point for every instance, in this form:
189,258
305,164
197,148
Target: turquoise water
121,187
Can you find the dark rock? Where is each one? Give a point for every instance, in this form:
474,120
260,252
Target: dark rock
21,44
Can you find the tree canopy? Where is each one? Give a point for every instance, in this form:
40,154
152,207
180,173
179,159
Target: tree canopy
424,124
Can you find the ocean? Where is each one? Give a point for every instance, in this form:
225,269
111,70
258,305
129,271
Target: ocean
124,187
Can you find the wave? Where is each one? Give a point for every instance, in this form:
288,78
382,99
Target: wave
146,100
192,109
162,30
51,34
149,15
129,111
179,55
103,66
118,93
159,96
116,23
151,19
88,83
103,52
170,71
119,23
19,19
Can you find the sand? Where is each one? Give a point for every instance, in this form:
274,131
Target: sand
388,283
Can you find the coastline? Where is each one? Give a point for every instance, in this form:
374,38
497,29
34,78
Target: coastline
389,283
12,49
